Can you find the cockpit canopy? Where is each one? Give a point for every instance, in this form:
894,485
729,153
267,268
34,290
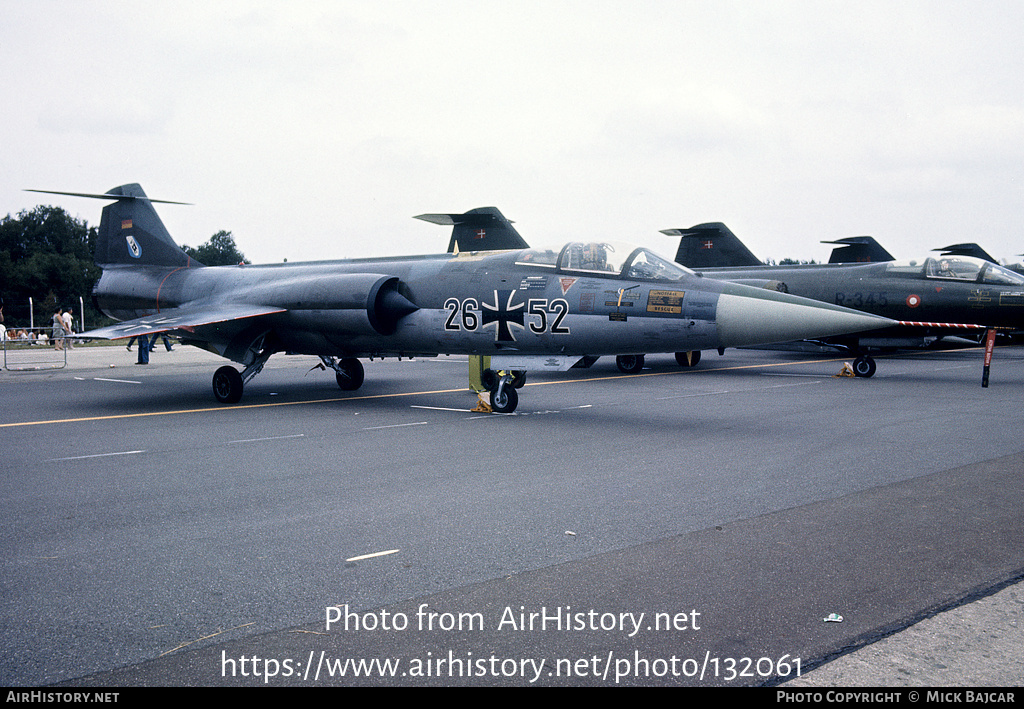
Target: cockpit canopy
607,258
958,268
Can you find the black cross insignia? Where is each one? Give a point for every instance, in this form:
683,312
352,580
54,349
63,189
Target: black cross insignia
503,313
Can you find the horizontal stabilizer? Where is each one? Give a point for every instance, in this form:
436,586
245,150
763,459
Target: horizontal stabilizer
118,197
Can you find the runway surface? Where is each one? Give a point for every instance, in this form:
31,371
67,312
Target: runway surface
679,527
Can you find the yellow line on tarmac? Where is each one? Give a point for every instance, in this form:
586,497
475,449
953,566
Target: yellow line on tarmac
676,372
235,407
368,397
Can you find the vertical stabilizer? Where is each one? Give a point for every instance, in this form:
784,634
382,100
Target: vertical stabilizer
711,245
858,249
966,250
131,232
480,229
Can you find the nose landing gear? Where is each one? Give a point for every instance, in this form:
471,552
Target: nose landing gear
503,385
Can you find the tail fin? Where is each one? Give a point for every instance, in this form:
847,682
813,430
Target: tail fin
966,250
711,245
131,232
480,229
858,249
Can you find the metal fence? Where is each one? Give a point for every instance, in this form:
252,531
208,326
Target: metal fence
34,348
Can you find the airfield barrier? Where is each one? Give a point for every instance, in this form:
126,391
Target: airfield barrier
33,348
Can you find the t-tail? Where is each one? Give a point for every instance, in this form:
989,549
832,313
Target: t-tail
131,232
711,245
858,249
480,229
966,250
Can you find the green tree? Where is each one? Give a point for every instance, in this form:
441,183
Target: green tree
45,255
220,250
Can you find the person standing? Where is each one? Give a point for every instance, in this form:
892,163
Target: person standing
58,330
145,347
69,327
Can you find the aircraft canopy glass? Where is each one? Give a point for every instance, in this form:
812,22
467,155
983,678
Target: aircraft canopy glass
607,258
960,268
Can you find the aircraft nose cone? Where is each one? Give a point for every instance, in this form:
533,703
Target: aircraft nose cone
753,316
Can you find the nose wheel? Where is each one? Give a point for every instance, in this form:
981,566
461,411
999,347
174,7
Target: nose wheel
503,386
864,366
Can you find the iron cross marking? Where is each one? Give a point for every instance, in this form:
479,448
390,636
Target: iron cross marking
502,314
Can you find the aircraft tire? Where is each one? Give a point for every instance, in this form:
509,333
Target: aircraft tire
683,361
506,401
227,385
518,379
864,366
630,364
352,377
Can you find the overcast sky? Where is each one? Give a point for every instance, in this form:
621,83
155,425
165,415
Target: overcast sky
319,129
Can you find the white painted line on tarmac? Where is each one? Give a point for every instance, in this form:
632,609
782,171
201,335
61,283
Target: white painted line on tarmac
96,455
738,391
370,556
118,381
397,425
269,438
782,374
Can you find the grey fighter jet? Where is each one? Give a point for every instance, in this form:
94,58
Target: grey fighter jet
525,308
930,297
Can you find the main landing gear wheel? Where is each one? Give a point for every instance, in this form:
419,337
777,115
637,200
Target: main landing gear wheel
688,359
630,364
227,385
864,366
349,374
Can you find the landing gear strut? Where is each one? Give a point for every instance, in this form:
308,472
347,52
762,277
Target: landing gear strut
228,382
503,385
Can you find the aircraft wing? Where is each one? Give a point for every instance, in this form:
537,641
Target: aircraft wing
184,320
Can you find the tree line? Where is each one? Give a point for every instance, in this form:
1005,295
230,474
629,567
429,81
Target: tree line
47,255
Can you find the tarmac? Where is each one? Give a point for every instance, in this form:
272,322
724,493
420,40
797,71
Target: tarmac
976,642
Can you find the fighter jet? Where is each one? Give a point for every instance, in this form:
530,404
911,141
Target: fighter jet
525,308
931,297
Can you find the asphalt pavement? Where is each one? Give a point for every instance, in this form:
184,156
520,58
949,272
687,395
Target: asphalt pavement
626,530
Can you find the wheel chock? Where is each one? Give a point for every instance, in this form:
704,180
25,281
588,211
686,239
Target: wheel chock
482,407
846,371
